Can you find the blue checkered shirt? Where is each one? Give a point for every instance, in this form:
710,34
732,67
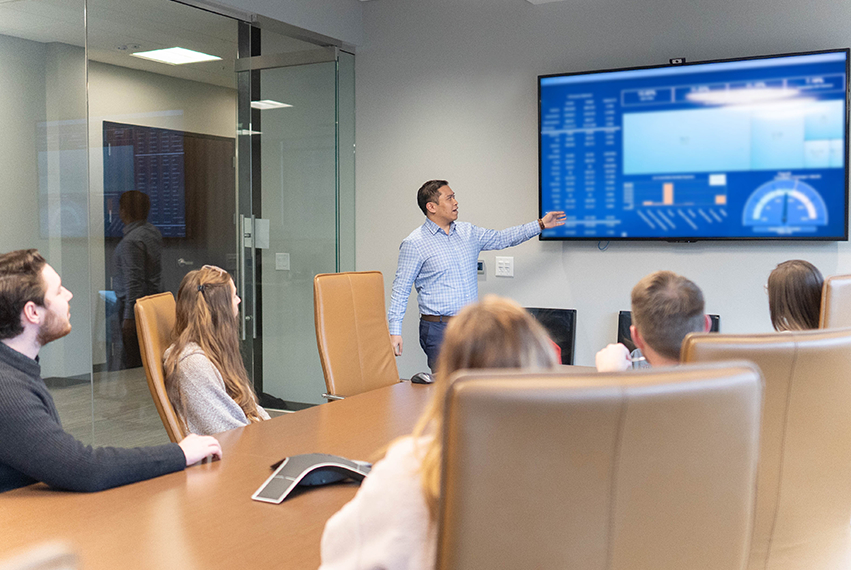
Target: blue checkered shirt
443,267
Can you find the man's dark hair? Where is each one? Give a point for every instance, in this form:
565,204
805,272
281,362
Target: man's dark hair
20,283
665,308
429,192
136,205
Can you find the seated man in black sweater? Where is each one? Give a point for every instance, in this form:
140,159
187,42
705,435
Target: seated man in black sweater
33,446
665,308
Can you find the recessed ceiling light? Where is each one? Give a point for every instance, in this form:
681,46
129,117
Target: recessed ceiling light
268,104
175,56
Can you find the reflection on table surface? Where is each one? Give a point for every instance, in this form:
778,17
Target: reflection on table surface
204,517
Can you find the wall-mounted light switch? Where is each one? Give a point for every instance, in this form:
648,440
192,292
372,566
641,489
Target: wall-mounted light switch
504,266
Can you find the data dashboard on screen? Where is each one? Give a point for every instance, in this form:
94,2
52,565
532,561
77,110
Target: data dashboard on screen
735,149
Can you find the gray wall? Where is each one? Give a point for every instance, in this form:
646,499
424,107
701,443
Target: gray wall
447,89
339,19
42,173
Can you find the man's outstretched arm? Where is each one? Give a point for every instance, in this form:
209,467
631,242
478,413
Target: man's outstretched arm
493,239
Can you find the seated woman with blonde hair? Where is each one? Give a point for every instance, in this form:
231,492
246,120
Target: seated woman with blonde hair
391,522
205,378
794,296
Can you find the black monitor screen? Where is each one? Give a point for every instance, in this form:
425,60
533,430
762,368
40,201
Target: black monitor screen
735,149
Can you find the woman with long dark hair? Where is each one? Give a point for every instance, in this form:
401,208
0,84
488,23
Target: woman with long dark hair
391,521
205,379
794,296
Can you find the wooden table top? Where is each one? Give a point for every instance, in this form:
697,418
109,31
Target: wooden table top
204,517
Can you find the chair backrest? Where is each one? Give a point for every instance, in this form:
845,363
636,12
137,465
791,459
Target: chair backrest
835,302
352,333
155,316
804,487
642,470
561,326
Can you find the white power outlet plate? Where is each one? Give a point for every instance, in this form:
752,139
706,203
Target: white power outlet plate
504,266
282,262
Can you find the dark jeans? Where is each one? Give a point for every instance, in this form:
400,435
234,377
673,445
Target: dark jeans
431,337
131,355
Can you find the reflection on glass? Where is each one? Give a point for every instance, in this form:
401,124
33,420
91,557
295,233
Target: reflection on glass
43,186
166,132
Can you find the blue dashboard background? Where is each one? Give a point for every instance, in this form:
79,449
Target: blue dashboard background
696,151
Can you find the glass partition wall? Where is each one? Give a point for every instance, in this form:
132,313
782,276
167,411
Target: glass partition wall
43,175
300,117
265,193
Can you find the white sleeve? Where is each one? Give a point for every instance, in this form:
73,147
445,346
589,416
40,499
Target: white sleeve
387,524
207,407
263,413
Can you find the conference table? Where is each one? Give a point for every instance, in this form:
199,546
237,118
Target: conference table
204,517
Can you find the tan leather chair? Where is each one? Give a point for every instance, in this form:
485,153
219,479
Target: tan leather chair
804,487
352,334
835,302
155,316
641,470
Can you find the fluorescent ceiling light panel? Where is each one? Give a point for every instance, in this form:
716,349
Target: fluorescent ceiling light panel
268,104
175,56
543,1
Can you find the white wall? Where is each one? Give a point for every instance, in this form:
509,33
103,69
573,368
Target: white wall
447,89
127,95
40,139
339,19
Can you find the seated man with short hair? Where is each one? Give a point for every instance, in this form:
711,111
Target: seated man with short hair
34,310
665,308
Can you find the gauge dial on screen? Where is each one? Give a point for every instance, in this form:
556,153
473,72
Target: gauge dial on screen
785,205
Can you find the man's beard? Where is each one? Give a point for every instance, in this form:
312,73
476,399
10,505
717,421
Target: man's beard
52,328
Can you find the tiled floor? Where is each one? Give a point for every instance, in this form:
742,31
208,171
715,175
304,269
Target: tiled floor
115,409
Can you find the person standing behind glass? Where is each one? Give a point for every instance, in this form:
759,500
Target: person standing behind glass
439,259
794,296
138,268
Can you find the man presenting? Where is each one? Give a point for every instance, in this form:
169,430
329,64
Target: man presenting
665,308
34,311
439,259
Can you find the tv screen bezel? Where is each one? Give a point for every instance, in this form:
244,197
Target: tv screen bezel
689,239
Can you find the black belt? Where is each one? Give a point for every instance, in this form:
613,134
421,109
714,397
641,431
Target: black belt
436,318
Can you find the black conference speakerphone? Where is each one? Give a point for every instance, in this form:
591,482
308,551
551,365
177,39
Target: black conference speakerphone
308,470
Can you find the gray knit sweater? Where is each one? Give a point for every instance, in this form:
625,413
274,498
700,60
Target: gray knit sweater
34,447
197,393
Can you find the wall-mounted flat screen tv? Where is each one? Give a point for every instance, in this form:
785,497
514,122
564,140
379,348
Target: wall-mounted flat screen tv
752,148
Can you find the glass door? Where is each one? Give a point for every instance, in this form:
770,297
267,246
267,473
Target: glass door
296,206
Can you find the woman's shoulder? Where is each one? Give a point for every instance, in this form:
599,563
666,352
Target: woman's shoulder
387,524
188,350
407,452
191,353
400,466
